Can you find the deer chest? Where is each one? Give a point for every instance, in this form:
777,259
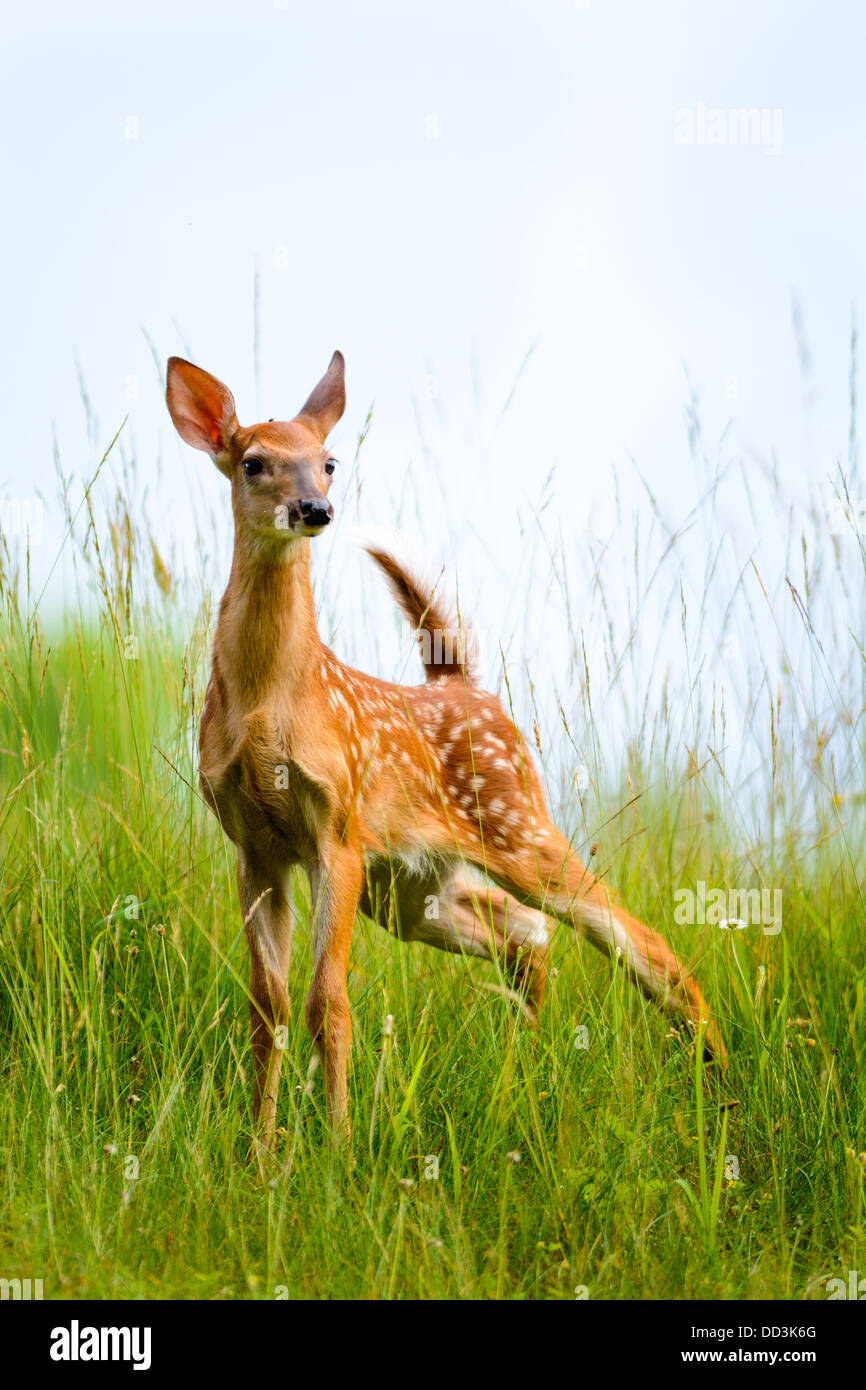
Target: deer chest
262,797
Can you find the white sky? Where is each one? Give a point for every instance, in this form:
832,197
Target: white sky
554,208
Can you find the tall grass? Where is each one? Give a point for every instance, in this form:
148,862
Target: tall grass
486,1161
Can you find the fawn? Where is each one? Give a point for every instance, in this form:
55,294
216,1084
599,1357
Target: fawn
385,794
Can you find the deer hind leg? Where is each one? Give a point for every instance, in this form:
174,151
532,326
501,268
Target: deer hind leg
268,928
546,874
445,908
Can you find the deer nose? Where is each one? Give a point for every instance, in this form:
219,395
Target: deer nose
315,511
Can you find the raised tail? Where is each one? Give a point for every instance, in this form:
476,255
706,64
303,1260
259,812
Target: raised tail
447,644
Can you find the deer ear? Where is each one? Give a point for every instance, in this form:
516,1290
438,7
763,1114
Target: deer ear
327,402
202,409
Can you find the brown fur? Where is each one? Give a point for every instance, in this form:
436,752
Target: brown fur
442,641
382,792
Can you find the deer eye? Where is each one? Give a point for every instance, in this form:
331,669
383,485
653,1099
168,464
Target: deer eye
252,467
330,466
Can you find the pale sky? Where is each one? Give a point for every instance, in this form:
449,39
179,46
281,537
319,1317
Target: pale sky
436,190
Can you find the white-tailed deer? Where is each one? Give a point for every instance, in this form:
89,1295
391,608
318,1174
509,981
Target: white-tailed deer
384,793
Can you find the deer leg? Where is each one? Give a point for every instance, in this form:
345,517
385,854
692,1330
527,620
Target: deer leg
268,928
548,876
518,935
451,912
336,881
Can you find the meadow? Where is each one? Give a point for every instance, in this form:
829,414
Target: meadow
594,1157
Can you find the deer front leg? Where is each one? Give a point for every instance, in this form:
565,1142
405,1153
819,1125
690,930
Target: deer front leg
268,928
336,881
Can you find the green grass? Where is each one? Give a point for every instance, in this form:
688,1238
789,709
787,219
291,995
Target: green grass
124,1117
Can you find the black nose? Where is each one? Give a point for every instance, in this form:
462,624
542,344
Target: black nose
315,511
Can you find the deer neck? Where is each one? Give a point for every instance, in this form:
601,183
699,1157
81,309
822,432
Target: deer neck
267,640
